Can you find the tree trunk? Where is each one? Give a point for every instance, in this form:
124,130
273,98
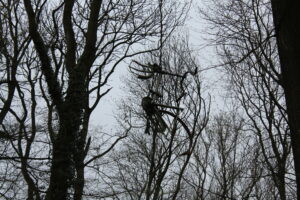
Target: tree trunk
287,20
64,147
79,182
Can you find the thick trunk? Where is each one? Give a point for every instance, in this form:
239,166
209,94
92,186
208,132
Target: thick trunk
81,151
64,147
70,109
286,19
79,182
61,169
281,186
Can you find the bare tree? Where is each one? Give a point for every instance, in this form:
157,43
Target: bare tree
227,161
56,60
247,46
154,166
13,43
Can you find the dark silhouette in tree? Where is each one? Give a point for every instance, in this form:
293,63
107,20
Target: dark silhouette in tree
157,164
149,70
153,115
154,110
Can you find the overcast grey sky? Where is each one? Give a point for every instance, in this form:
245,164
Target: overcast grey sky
104,114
